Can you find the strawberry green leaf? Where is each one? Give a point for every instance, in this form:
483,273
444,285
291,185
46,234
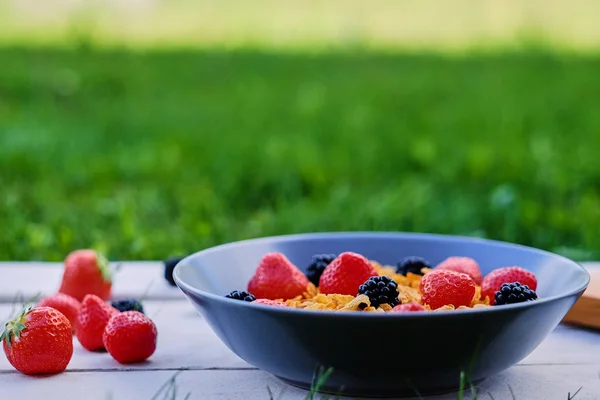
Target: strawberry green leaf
104,267
15,327
6,336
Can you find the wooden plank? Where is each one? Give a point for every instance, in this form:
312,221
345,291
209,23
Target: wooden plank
586,312
532,383
567,345
132,280
185,340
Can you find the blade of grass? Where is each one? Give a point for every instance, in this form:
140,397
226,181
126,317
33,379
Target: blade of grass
415,390
170,387
461,387
319,379
512,394
574,394
13,308
165,385
337,396
147,290
474,392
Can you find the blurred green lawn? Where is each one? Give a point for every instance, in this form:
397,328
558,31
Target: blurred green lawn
150,154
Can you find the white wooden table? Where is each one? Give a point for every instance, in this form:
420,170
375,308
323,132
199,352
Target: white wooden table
568,360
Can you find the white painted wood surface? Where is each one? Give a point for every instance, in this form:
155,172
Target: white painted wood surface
567,360
543,382
132,278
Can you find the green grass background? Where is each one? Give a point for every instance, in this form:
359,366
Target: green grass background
144,150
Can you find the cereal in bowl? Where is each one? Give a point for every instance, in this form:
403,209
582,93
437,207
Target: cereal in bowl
349,282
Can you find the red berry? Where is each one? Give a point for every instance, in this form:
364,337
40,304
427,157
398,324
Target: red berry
270,302
64,303
86,272
408,307
130,337
443,287
345,274
38,341
494,280
466,265
277,278
91,321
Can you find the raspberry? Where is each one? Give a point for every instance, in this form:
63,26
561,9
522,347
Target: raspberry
317,266
414,265
494,280
269,302
511,293
408,307
345,274
381,290
241,295
466,265
443,287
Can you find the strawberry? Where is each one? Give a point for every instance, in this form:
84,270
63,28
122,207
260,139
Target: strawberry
91,321
345,274
277,278
270,302
64,303
86,272
466,265
408,307
130,337
494,280
442,287
38,341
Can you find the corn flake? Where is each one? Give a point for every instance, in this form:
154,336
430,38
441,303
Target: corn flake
447,307
359,302
408,289
409,294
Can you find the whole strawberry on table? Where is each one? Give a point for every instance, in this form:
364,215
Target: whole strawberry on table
40,339
351,282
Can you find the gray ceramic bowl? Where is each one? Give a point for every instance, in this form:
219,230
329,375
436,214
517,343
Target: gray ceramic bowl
379,354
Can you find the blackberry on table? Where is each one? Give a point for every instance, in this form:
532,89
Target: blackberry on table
380,290
241,295
169,267
413,265
511,293
317,266
128,305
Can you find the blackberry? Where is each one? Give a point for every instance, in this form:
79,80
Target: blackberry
381,290
511,293
128,305
241,295
169,267
413,265
317,266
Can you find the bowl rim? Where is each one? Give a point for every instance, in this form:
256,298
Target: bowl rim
183,286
